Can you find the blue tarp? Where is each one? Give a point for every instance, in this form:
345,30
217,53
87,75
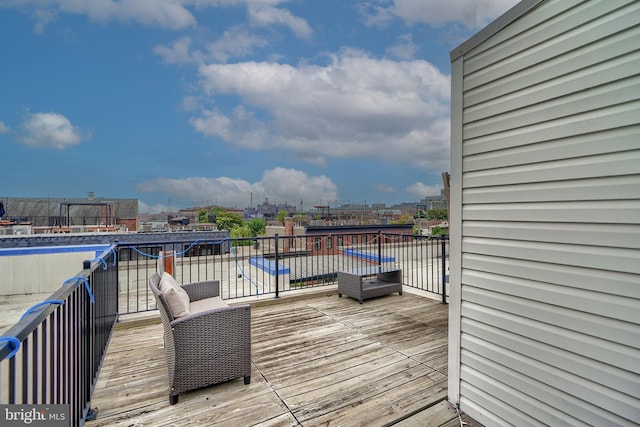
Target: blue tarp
268,265
368,256
42,250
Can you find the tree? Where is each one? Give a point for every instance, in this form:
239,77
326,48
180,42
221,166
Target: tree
202,216
404,219
437,214
228,220
210,215
421,214
257,226
439,231
282,215
299,218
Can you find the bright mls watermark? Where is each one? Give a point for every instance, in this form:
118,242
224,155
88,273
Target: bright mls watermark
34,415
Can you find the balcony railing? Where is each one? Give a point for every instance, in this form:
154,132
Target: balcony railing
273,265
52,356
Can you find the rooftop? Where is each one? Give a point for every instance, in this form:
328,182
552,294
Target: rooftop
317,360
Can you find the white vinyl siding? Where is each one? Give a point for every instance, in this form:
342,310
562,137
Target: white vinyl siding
545,182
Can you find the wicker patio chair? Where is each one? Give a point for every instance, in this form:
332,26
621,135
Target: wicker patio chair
208,343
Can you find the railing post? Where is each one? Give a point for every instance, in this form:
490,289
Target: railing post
379,248
444,270
277,269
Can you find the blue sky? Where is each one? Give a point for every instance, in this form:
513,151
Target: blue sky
194,102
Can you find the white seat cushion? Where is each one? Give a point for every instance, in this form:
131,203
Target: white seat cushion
207,304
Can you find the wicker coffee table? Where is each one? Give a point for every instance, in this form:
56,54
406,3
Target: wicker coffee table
369,283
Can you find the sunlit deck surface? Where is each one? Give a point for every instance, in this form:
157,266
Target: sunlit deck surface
317,360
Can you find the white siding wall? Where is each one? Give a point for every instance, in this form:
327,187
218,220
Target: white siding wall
545,304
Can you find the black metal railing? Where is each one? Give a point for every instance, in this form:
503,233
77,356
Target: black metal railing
255,266
52,355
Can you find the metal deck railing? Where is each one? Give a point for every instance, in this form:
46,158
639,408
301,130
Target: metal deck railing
52,356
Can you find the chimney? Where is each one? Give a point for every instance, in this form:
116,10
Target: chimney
288,231
288,226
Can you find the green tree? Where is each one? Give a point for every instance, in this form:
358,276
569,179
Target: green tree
404,219
437,214
439,231
228,220
282,215
257,226
299,218
209,215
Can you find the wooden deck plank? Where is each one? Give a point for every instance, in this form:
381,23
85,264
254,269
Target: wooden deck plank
436,415
321,360
279,376
347,400
385,409
314,381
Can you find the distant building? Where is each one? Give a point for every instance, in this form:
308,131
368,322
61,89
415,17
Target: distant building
332,240
433,202
47,215
269,210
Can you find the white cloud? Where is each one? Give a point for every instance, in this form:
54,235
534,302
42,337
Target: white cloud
190,103
236,42
178,52
4,128
405,49
293,185
169,14
145,208
212,123
42,18
51,130
374,15
421,190
355,106
471,13
277,184
267,15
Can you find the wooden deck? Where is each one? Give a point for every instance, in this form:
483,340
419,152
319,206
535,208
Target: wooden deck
321,360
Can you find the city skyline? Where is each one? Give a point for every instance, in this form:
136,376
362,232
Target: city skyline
213,100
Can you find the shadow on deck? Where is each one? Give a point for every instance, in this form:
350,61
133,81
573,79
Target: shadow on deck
321,360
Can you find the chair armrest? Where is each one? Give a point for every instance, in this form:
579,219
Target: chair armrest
202,290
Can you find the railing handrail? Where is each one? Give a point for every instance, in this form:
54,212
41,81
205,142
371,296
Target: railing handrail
31,320
301,245
101,277
56,329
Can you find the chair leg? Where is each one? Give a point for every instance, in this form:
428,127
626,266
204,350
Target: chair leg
173,398
247,379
